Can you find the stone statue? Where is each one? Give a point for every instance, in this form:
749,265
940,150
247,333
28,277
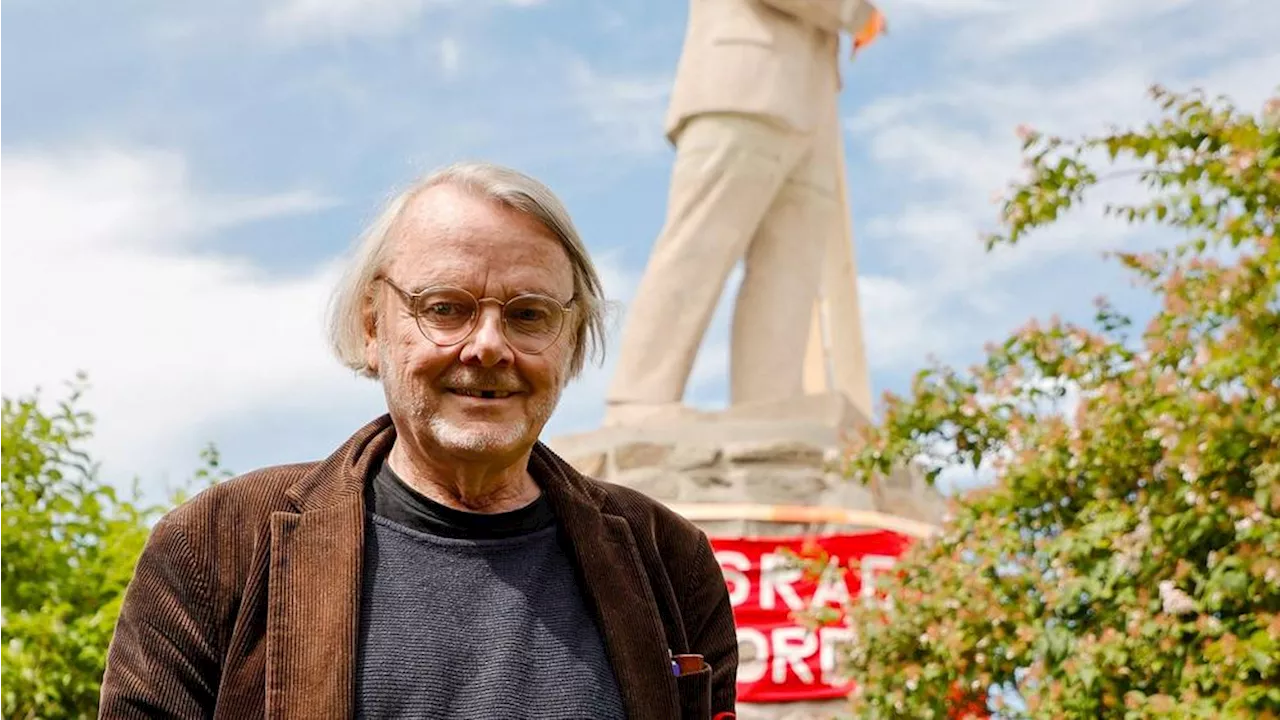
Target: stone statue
758,177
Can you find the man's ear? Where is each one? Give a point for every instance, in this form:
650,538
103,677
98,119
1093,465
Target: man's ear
369,318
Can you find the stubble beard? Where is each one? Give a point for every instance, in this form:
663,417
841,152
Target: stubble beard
464,437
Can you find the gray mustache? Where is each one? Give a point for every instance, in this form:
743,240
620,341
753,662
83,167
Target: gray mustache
477,379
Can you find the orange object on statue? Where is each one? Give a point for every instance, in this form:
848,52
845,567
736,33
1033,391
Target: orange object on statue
869,31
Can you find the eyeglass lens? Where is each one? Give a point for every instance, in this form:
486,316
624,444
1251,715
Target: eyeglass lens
531,322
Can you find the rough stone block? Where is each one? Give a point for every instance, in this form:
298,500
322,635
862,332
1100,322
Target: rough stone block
640,455
709,485
709,479
784,486
658,484
693,457
788,452
848,493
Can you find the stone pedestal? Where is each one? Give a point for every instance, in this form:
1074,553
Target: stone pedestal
776,454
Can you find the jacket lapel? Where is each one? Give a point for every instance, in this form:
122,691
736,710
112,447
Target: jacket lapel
312,616
313,584
615,583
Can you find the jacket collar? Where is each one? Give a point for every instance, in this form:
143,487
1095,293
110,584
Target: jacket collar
340,477
315,579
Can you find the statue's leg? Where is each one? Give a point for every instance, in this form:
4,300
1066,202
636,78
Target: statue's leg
846,350
836,359
773,315
727,171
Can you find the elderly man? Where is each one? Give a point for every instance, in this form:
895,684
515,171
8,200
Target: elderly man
756,179
442,562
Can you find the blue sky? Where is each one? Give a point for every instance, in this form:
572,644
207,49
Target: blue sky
181,180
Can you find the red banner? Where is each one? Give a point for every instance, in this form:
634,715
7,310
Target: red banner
783,660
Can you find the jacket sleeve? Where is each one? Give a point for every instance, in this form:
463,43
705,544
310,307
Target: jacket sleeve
830,15
709,624
162,660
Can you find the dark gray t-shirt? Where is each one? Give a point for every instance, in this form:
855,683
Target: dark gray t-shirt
490,626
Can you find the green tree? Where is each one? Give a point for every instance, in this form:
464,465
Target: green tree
1125,562
69,546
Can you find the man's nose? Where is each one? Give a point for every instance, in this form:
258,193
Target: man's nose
488,345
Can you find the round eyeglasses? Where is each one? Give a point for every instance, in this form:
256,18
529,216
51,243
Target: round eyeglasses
448,315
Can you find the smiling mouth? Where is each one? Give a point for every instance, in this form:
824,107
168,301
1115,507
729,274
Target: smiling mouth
485,394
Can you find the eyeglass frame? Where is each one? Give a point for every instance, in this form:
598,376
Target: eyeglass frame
410,299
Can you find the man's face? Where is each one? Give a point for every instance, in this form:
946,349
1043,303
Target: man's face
448,237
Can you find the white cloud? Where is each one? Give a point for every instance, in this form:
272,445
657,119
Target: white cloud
1023,25
450,55
216,214
927,9
299,20
625,110
997,28
99,277
339,18
894,314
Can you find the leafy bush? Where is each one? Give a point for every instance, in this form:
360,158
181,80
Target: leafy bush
69,546
1126,560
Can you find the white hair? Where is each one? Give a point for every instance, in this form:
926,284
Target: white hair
493,182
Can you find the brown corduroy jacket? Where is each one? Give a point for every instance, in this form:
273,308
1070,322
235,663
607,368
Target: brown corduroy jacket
245,602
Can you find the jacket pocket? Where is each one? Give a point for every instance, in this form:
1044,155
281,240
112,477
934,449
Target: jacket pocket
695,694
